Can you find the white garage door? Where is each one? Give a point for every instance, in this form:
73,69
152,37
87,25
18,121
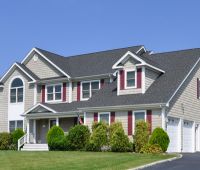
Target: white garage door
173,130
188,136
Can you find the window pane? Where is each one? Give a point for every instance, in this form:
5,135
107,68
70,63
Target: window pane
104,118
13,95
94,91
49,97
20,95
131,75
58,88
86,86
57,96
95,85
139,116
11,126
50,89
86,94
17,83
131,83
20,124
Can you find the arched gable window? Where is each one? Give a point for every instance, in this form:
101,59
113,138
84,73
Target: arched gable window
17,91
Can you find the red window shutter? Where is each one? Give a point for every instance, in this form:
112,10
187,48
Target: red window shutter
102,83
121,79
197,88
43,93
149,119
95,117
64,92
139,77
78,91
112,118
130,122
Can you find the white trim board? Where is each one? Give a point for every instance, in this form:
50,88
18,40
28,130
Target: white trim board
13,67
127,54
42,55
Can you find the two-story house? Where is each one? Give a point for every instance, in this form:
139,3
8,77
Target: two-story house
123,85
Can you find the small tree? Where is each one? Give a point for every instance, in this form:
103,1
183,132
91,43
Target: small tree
56,139
16,135
5,141
160,137
78,137
141,135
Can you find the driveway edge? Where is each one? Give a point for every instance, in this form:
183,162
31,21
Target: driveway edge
179,156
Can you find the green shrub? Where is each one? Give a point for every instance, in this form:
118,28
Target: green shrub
91,146
141,136
149,148
56,139
119,141
5,141
114,127
99,137
16,135
160,137
78,137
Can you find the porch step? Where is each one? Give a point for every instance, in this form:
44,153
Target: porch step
35,147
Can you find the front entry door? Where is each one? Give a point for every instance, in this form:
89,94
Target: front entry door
42,130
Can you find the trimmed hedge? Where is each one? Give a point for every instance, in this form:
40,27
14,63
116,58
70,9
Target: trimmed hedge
56,139
149,148
16,135
119,142
160,137
141,135
5,141
78,137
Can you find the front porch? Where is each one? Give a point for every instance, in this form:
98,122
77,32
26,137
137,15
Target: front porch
37,129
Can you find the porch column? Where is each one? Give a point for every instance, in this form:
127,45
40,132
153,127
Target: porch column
57,121
28,131
34,130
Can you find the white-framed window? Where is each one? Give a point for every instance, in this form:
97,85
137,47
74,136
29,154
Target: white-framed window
104,117
52,122
139,115
54,92
130,78
15,124
17,91
89,88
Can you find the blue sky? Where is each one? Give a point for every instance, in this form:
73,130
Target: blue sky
71,27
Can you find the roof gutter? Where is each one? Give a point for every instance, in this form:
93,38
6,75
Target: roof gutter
123,107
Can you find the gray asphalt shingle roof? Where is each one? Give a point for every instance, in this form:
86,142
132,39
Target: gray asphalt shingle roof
93,63
176,65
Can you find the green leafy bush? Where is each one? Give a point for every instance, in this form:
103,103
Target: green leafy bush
113,127
149,148
99,137
16,135
141,136
119,141
160,137
5,141
56,139
78,137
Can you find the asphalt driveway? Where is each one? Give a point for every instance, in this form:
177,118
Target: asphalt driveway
187,162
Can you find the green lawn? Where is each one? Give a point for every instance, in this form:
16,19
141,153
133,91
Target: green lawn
74,160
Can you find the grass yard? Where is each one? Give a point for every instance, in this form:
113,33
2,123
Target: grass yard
74,160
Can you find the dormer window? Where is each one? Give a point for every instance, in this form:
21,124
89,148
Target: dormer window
130,79
54,93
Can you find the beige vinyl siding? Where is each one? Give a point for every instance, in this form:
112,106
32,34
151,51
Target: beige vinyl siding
89,119
150,77
42,68
122,116
185,103
156,119
74,91
4,98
